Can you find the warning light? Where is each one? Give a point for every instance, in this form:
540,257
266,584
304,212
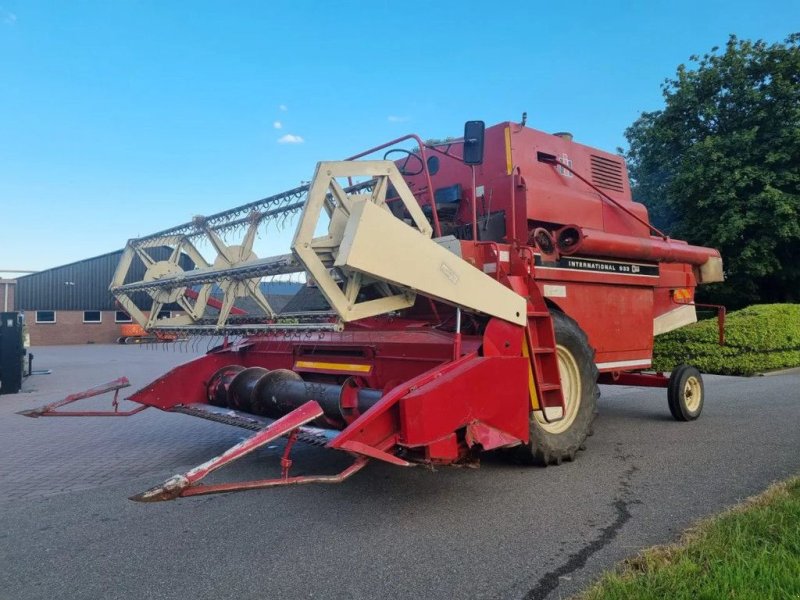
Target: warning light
682,295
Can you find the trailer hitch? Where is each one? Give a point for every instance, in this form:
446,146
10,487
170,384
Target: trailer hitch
49,410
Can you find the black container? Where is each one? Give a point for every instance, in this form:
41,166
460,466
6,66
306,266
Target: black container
12,352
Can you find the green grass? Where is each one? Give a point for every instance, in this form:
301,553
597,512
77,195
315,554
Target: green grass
750,551
759,338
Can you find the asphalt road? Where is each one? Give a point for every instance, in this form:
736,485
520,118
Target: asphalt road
501,531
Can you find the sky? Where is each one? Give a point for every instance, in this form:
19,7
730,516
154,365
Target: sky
119,118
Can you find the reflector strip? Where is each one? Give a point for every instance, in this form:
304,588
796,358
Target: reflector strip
643,362
531,383
509,164
329,366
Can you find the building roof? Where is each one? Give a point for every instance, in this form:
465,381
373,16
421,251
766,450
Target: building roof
83,285
116,253
307,299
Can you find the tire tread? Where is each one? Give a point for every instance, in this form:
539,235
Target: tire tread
552,449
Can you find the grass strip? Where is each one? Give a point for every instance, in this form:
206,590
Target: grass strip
749,551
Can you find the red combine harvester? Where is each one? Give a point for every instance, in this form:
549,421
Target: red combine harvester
461,297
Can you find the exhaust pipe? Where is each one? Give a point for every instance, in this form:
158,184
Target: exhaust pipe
569,239
545,242
592,242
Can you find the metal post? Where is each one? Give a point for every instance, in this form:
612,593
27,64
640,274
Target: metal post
457,339
474,206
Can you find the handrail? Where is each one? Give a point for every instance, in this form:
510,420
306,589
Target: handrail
411,136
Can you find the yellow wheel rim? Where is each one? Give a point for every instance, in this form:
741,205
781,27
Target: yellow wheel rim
692,394
570,387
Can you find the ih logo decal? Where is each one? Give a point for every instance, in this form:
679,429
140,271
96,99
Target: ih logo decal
564,160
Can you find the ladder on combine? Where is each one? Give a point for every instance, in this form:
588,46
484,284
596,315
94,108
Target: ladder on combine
540,347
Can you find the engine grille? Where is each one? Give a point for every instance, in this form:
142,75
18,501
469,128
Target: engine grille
607,173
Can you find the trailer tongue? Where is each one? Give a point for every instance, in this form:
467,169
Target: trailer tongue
462,301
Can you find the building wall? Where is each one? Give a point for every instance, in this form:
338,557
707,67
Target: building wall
71,289
69,328
7,288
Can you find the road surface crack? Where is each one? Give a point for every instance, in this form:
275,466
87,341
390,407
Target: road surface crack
551,580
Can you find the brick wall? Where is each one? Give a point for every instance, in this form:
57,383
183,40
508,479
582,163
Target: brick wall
69,328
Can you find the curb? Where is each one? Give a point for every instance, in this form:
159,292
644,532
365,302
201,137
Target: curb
788,371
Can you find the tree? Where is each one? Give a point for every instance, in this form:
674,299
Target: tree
719,165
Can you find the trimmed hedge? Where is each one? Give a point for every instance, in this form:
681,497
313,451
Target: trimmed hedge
758,338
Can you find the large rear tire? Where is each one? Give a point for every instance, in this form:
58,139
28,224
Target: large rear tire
552,443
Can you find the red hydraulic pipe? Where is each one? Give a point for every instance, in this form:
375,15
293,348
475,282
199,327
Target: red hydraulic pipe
615,245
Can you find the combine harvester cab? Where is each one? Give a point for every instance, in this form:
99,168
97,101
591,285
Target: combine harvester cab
466,297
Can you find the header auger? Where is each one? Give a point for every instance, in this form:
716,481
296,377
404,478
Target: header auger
466,297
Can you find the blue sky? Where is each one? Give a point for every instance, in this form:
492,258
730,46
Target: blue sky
119,118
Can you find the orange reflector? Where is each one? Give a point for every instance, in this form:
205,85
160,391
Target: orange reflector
682,295
329,366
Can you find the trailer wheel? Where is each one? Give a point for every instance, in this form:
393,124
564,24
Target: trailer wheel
685,393
552,443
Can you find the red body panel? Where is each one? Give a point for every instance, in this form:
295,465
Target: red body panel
472,392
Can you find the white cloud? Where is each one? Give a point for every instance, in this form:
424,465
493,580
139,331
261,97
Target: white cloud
277,125
290,139
396,119
8,17
283,108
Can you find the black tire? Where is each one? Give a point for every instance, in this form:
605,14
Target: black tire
685,393
549,448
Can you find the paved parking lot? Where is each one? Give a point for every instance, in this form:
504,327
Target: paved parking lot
500,531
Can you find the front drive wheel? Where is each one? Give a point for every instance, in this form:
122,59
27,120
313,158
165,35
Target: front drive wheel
552,443
685,393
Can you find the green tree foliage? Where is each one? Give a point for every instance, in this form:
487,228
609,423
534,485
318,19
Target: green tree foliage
720,165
